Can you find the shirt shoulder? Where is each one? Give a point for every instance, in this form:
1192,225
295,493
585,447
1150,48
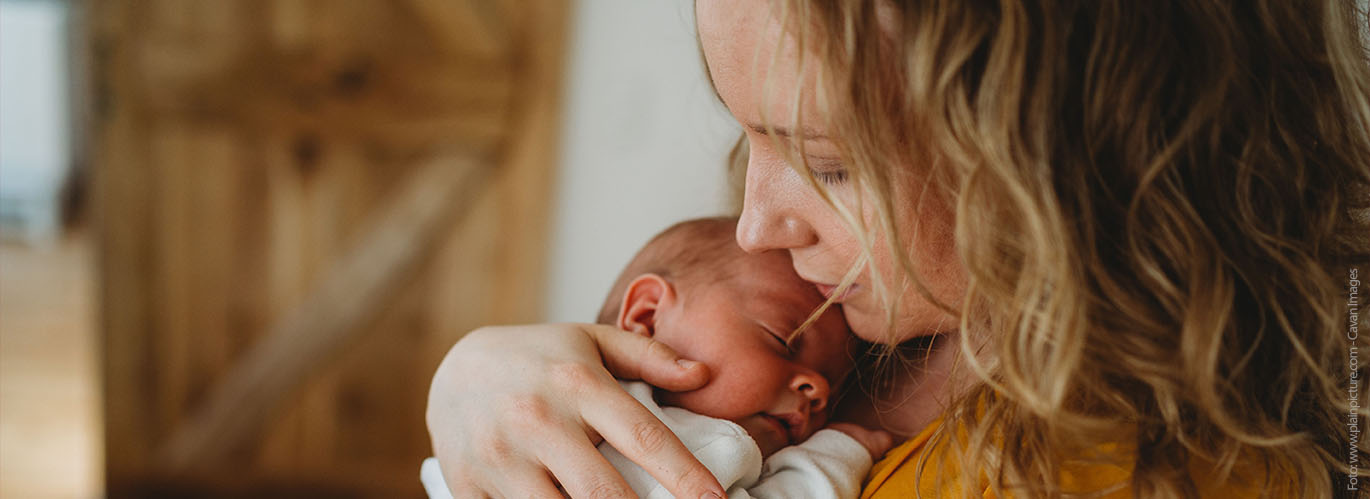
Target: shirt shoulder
897,475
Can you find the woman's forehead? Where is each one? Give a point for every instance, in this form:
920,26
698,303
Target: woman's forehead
740,41
730,32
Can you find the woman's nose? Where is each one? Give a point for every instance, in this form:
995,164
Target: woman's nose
770,218
813,387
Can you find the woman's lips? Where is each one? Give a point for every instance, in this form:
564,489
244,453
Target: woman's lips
827,291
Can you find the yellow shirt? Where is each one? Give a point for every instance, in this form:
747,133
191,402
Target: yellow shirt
894,476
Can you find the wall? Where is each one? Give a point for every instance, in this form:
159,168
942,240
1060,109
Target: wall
643,145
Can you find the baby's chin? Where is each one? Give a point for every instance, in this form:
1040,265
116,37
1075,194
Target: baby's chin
767,436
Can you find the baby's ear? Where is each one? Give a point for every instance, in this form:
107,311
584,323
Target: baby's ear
642,301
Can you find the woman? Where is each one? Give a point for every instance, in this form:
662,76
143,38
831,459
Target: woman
1119,233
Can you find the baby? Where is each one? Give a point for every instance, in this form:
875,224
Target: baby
758,423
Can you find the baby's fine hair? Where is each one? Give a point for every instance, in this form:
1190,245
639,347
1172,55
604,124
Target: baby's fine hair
702,248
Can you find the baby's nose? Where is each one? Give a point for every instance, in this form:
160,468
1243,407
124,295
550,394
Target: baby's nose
813,387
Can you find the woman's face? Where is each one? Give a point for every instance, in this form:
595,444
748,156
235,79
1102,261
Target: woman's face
782,211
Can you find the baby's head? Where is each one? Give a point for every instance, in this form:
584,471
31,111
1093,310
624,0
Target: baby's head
693,289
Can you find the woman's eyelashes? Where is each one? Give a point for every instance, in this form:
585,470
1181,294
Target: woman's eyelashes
831,177
827,170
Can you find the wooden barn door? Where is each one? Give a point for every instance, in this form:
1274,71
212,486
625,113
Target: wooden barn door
300,204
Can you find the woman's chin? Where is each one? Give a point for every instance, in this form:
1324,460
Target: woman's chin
871,325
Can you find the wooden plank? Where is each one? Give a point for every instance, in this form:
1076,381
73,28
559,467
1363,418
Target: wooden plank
123,229
527,182
244,149
357,285
464,27
172,254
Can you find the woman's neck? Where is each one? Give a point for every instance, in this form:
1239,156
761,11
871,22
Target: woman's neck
904,390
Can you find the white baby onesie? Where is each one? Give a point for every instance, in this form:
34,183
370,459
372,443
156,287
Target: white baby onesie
830,464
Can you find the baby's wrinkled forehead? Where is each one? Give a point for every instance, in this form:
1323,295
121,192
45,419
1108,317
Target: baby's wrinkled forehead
703,260
701,257
706,248
768,287
703,248
692,246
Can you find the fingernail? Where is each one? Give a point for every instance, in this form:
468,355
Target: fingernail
686,364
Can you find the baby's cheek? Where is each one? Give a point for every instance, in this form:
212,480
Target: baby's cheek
727,396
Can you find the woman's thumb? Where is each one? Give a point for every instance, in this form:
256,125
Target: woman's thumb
633,356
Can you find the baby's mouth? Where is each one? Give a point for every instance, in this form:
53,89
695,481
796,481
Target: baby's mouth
782,427
793,425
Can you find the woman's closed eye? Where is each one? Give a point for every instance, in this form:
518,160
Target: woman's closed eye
832,177
827,170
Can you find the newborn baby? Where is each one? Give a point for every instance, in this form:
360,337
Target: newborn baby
758,423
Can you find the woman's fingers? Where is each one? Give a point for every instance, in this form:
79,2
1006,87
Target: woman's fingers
582,470
644,439
633,356
460,487
512,407
529,481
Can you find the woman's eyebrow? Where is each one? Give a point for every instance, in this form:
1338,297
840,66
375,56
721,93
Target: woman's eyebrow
805,133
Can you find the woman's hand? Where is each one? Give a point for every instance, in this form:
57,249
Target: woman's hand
513,411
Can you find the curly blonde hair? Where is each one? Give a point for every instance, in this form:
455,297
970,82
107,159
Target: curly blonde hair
1157,205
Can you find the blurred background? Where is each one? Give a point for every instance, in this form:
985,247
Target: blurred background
237,236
